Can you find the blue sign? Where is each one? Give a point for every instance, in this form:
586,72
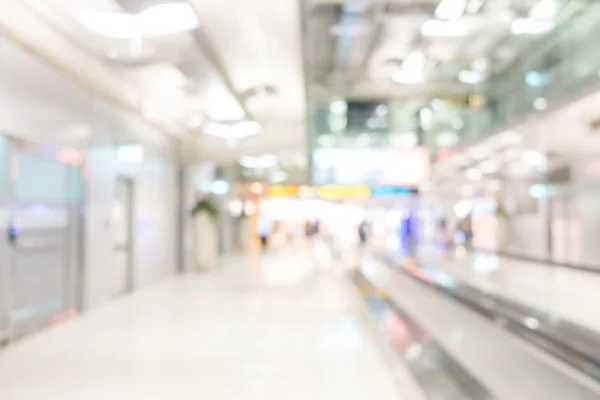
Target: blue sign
390,191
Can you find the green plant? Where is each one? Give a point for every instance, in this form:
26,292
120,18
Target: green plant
501,212
206,205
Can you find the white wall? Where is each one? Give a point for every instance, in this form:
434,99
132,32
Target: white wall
40,104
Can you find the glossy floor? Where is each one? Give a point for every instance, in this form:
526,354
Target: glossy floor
563,292
264,328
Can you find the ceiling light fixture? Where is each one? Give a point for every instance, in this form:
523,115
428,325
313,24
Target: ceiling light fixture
450,9
470,77
437,28
533,158
530,26
155,21
237,130
414,61
473,174
338,107
260,162
540,104
404,77
544,10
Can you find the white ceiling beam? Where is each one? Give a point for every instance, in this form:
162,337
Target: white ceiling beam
25,28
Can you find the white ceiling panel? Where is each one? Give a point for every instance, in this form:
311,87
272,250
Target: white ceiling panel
259,43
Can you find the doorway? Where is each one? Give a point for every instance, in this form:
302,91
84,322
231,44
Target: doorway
123,275
41,202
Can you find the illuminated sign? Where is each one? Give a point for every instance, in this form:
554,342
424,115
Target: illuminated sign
339,192
542,191
390,191
282,191
406,167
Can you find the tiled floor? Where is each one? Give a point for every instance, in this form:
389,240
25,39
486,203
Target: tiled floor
264,328
563,292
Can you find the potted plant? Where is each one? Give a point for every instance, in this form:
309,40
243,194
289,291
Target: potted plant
206,244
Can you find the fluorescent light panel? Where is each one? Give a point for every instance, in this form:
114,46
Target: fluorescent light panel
239,130
544,10
437,28
158,20
450,9
470,77
530,26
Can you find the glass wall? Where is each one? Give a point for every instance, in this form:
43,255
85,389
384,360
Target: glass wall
557,65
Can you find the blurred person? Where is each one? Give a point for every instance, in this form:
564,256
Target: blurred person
363,232
264,231
466,228
408,233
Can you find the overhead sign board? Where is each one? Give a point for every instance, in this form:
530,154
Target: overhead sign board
340,192
282,191
392,191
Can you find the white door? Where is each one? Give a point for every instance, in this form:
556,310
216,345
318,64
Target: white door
122,237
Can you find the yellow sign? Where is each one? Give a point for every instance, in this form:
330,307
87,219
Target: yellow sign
339,192
282,191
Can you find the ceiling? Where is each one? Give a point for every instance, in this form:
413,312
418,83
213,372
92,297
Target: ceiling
243,62
273,61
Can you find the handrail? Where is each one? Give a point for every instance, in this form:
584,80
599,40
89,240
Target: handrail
461,379
538,334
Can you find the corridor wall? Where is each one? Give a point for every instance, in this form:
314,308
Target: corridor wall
39,104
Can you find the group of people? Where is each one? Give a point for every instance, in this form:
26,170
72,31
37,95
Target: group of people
312,229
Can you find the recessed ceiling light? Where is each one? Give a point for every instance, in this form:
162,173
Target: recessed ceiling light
239,130
470,77
540,103
533,158
338,107
158,20
530,26
544,10
404,77
473,174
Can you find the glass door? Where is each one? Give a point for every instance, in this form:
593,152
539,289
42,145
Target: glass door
43,210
